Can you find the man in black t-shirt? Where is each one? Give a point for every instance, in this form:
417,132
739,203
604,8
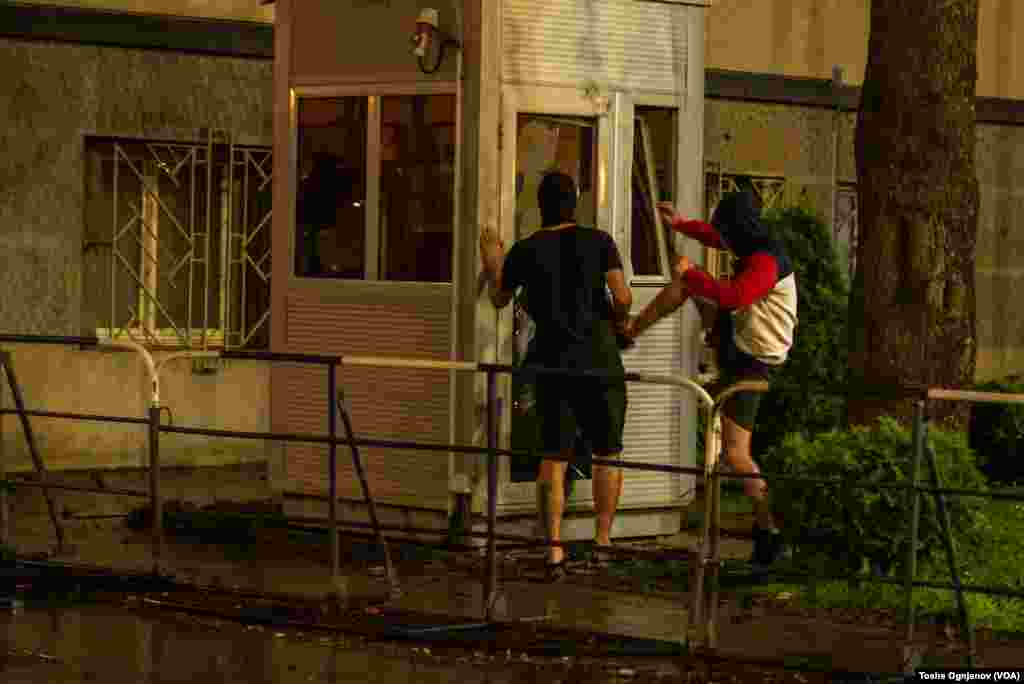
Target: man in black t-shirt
564,269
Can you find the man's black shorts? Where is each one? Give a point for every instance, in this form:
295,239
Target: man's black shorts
597,407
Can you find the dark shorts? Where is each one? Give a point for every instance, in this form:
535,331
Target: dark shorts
594,407
597,408
741,407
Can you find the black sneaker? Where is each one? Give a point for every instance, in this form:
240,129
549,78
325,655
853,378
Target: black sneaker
768,548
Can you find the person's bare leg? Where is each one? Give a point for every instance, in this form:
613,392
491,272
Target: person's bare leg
551,504
607,490
737,452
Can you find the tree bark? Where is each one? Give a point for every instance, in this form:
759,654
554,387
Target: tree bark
912,310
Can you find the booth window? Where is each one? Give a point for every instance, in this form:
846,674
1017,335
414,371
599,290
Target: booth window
653,181
375,194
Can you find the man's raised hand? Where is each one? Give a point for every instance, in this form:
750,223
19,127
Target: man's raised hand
668,213
492,249
681,266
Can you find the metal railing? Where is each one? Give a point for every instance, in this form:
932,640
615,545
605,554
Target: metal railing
701,627
709,562
330,439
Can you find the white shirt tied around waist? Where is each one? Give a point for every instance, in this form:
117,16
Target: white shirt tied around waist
765,329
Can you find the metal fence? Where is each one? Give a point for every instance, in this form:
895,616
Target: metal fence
701,630
705,592
330,439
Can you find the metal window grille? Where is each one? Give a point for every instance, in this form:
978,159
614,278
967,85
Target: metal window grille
189,252
769,189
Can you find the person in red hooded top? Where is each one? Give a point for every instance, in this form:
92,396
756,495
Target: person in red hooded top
753,330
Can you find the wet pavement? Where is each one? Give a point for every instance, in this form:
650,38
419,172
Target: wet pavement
87,644
565,605
101,644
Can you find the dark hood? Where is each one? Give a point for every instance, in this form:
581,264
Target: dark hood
738,220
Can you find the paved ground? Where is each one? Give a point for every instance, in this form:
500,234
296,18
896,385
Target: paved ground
101,644
588,601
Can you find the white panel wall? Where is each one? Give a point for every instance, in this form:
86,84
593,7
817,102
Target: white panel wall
385,403
629,52
654,412
618,44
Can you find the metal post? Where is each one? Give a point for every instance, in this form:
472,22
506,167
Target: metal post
491,570
30,439
154,486
837,82
915,517
332,475
5,512
711,628
695,616
947,538
371,506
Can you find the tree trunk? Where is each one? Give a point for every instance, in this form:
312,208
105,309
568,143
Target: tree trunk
912,305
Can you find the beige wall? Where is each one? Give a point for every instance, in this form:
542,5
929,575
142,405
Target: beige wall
1000,275
47,115
792,37
330,42
237,397
807,37
240,10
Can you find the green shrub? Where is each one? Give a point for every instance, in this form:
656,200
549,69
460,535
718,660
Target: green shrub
997,434
799,399
994,561
856,524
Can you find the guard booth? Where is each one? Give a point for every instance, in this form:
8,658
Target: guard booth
386,165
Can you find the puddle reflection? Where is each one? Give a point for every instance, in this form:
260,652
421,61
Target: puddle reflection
106,644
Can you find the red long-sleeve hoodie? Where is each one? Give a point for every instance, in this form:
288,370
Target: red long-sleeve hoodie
761,296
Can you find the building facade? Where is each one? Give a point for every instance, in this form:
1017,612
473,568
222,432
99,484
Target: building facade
173,101
774,111
134,153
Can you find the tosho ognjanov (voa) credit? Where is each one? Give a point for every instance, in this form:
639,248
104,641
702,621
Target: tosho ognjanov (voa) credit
975,675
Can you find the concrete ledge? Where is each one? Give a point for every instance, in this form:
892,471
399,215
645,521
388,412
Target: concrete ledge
143,31
95,382
577,526
724,84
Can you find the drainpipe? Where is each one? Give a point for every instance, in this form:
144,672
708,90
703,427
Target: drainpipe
147,360
837,83
153,450
5,513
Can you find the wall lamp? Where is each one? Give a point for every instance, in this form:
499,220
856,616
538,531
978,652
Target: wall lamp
428,32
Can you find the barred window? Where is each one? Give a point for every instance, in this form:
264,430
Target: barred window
176,246
768,189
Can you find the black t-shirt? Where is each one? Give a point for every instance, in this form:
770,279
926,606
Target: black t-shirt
563,274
